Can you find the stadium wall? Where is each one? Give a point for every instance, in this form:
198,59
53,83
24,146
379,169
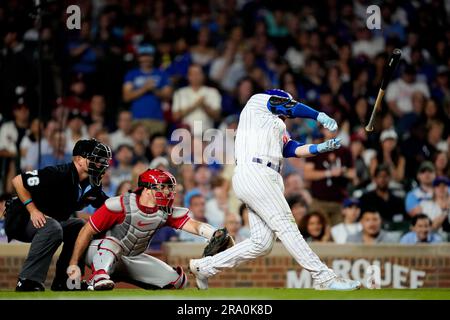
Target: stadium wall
400,266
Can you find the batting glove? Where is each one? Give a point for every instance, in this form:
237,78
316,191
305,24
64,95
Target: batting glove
327,122
329,145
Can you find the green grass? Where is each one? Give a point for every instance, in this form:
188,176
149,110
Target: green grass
237,294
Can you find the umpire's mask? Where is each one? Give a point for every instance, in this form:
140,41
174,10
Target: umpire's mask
99,156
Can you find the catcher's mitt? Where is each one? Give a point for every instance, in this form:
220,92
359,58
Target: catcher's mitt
220,241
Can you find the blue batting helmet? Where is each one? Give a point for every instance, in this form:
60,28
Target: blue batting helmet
280,102
279,93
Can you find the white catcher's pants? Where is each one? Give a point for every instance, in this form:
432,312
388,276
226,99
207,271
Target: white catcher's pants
261,189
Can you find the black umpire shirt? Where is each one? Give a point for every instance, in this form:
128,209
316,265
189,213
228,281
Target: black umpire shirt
56,190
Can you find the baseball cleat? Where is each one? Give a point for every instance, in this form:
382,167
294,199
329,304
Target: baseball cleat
100,280
104,284
26,285
339,283
201,281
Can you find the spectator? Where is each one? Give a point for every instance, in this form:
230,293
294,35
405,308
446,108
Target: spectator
76,129
407,121
399,92
298,206
314,227
232,104
11,135
362,175
177,70
294,185
244,231
16,65
108,186
330,174
233,224
202,178
124,158
102,136
140,136
30,139
77,98
359,114
371,232
32,157
438,208
420,231
3,198
82,51
442,164
179,195
389,154
240,68
187,174
195,201
382,200
97,110
440,89
366,45
196,102
160,163
203,53
221,67
350,226
58,154
423,192
217,207
435,143
123,187
124,128
157,147
146,88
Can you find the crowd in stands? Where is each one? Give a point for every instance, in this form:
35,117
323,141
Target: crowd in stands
136,71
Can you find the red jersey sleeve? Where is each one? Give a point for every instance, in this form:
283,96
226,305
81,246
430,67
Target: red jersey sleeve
104,219
178,218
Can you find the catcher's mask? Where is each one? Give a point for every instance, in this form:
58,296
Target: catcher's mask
163,183
99,156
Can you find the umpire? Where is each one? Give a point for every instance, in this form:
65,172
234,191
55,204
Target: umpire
41,214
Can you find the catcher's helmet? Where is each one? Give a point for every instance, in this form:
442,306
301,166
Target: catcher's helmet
163,182
99,156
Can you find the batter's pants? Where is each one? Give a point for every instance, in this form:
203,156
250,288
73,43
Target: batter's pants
261,189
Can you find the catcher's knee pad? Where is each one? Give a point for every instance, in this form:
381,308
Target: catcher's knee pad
180,282
108,254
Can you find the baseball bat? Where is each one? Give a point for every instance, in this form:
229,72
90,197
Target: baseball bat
393,62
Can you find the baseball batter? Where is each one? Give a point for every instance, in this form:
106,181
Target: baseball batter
261,144
124,226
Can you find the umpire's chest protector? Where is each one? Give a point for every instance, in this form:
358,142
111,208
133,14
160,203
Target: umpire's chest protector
138,228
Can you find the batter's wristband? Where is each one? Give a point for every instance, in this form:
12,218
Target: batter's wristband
313,149
27,202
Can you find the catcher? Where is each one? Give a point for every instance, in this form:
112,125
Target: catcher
124,227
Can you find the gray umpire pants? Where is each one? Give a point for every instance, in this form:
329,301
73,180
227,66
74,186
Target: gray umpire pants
44,243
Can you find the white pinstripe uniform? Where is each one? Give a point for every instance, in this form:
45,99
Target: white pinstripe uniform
261,135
